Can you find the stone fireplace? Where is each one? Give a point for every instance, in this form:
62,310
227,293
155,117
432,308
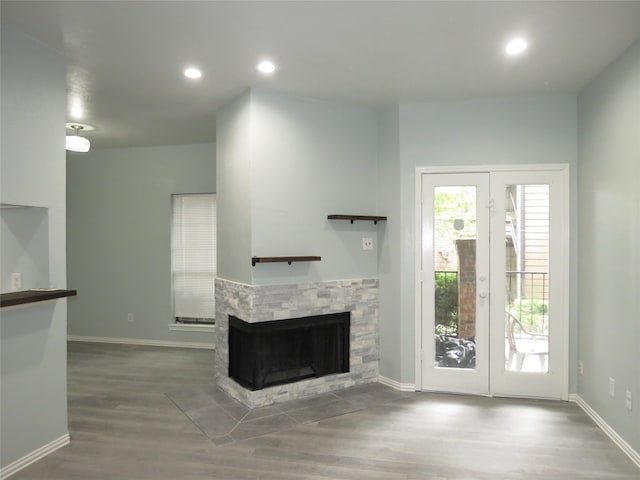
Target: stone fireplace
286,304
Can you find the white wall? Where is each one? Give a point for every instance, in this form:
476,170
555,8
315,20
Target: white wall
33,403
119,244
609,248
526,130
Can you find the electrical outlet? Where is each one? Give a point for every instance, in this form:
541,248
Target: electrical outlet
16,282
580,367
628,399
612,387
367,243
130,317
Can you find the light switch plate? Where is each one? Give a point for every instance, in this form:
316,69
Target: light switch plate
612,387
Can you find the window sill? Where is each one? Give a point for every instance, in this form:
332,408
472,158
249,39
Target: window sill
191,327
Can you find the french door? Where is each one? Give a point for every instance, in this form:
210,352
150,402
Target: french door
494,282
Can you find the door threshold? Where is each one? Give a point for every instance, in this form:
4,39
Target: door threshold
492,395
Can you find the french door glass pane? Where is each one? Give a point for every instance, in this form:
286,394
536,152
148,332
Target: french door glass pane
455,276
527,278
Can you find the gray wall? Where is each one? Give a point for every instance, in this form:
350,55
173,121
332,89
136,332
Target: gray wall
33,398
119,220
609,249
390,237
528,130
306,159
311,159
233,183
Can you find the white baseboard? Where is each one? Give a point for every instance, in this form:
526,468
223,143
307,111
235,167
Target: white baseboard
403,387
138,341
34,456
606,428
192,327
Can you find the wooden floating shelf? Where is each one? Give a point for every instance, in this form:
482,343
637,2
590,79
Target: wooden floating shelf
33,296
370,218
289,260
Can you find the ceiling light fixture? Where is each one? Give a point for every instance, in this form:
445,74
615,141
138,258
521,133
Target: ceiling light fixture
516,46
266,67
193,73
76,143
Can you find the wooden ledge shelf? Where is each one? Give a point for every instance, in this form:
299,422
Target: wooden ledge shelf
289,260
351,218
33,296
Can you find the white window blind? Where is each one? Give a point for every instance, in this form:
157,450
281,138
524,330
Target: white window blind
193,256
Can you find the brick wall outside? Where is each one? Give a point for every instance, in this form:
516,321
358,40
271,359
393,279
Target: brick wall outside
466,287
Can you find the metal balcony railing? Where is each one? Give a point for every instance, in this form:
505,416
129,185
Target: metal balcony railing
527,298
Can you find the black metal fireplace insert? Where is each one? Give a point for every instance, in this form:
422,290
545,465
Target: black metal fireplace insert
284,351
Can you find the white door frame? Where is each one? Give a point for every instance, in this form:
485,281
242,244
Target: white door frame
564,268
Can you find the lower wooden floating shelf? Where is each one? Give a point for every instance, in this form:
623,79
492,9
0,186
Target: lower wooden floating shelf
372,218
289,260
32,296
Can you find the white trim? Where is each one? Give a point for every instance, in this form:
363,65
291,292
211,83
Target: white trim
138,341
34,456
403,387
417,300
521,167
192,327
606,428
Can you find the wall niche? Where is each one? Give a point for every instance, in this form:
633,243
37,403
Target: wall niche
24,243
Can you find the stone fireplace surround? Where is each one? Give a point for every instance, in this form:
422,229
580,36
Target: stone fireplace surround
264,303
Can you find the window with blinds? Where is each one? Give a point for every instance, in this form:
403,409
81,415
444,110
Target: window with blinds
193,257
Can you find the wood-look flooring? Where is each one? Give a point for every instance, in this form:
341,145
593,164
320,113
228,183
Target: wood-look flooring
124,425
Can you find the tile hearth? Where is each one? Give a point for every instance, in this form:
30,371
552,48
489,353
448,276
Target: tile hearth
225,420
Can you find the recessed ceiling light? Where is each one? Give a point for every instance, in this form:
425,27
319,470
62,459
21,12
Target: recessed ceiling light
192,72
516,46
77,112
266,67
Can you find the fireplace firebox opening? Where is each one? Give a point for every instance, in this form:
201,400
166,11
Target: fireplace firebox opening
284,351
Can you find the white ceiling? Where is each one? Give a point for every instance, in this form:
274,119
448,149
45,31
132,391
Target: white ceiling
125,59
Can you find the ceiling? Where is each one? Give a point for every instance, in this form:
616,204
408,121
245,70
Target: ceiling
125,59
